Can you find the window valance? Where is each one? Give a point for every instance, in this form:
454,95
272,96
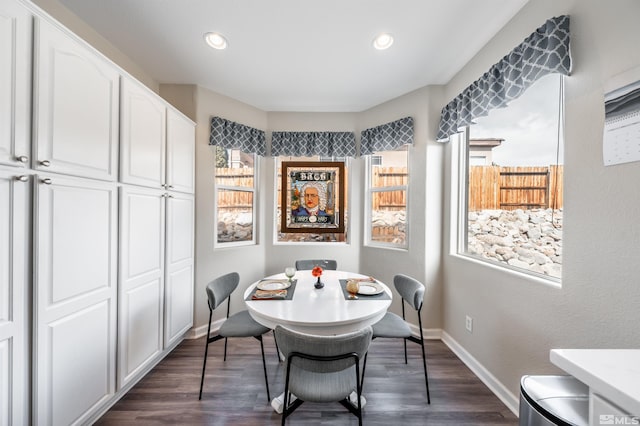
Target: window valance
232,135
544,52
308,144
387,137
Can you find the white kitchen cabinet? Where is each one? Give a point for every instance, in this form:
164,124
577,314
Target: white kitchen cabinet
141,286
76,99
15,83
14,282
143,136
75,284
180,170
179,264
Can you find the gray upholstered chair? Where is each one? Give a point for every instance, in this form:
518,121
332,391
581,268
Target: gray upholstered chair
322,368
239,324
392,326
302,265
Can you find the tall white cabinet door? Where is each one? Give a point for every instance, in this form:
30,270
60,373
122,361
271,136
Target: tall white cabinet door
75,284
141,287
181,135
179,267
76,117
14,359
143,135
15,83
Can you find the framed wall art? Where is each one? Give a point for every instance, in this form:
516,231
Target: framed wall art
312,196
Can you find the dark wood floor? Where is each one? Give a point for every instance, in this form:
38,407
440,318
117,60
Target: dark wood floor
234,391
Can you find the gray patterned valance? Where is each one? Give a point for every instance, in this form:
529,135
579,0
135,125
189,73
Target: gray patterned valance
387,137
544,52
308,144
232,135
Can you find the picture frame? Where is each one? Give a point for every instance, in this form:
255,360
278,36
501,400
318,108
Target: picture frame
312,196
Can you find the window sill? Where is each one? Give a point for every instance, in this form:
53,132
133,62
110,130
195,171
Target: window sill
520,273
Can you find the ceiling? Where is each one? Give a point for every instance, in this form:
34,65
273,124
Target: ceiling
299,55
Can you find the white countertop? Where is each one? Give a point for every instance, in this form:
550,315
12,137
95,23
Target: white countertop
612,373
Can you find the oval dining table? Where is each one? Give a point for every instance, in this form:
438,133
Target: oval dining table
324,311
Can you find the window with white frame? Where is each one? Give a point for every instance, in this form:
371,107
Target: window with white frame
235,186
511,202
386,198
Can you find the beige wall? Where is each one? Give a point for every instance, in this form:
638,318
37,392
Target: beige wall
517,320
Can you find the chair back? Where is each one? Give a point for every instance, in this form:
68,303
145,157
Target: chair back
410,289
329,264
290,341
220,288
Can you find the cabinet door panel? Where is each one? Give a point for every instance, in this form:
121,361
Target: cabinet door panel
141,288
143,137
179,267
82,369
180,153
14,213
74,298
15,84
77,99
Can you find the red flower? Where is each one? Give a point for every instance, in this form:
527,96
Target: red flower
316,271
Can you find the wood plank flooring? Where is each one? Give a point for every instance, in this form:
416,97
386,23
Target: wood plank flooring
234,391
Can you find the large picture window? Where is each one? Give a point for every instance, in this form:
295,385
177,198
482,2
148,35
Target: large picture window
235,186
512,183
387,180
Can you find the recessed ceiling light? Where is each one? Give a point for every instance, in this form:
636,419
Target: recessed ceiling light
383,41
215,40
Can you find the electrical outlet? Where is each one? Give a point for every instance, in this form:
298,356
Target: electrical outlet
469,324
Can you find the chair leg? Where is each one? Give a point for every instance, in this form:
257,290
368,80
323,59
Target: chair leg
206,349
364,367
426,378
225,349
276,342
264,366
405,351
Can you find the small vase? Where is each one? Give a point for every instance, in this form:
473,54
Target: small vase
318,284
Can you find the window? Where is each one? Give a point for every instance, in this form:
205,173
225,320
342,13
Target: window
308,237
512,202
387,177
235,197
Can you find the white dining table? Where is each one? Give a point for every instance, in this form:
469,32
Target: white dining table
323,311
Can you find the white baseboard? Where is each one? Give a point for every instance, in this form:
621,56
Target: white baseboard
198,332
509,399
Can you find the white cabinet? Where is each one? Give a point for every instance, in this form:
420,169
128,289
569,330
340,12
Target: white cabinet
76,100
157,148
141,287
15,83
181,138
75,283
180,216
156,276
143,136
14,258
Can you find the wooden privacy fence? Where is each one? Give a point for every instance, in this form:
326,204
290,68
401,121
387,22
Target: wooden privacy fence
510,188
490,187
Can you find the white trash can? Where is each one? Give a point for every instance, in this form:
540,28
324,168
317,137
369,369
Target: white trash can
553,400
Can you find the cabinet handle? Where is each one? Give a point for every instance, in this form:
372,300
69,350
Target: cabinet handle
23,178
45,163
167,186
165,195
47,181
23,159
